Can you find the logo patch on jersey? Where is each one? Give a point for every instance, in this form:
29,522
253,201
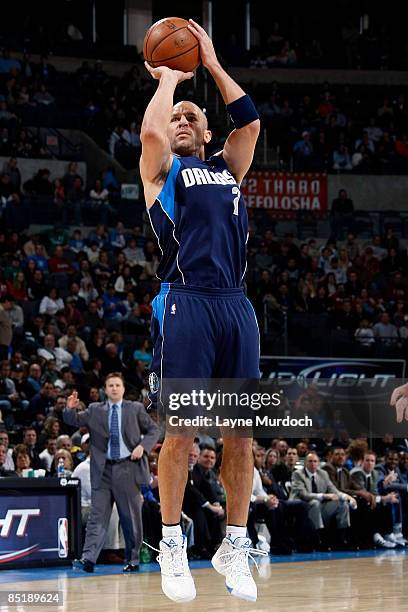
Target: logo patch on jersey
154,382
173,309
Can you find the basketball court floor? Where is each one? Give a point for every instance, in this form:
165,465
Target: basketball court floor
364,582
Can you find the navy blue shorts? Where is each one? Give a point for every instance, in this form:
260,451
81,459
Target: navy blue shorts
202,333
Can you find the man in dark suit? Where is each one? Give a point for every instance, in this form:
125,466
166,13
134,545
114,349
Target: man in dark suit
339,475
200,503
121,432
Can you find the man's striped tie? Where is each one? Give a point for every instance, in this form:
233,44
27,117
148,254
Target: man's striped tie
114,434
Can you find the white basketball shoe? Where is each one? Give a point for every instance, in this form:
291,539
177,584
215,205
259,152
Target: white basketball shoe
232,561
177,581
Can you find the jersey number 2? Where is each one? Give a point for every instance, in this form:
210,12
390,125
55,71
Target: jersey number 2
237,193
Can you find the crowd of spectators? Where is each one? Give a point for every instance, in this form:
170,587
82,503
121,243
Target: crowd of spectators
66,198
326,128
333,129
351,289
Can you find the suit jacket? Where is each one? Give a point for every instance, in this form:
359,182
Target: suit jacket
341,479
197,492
206,481
135,422
302,485
358,477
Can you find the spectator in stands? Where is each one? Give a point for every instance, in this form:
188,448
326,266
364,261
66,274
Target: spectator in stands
312,484
11,168
21,458
338,473
75,197
206,466
43,97
48,454
385,332
303,153
51,351
364,335
40,184
341,215
6,329
4,471
4,440
286,56
143,353
80,344
42,403
342,159
68,462
99,202
390,479
45,71
283,471
77,242
402,464
362,159
51,303
201,505
30,443
374,513
266,507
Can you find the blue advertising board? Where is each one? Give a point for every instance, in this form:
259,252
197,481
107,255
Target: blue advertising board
33,527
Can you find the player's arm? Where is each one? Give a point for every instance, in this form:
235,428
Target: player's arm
156,157
240,145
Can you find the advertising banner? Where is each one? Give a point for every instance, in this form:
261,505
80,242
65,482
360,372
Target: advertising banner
286,192
33,527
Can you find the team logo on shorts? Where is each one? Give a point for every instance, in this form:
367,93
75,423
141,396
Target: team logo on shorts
153,382
173,309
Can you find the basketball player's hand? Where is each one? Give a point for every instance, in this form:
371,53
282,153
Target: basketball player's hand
399,399
162,71
137,452
73,401
207,51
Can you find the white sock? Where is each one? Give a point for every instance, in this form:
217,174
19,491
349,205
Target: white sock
233,532
172,531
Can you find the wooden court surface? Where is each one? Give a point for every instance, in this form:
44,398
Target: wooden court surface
363,585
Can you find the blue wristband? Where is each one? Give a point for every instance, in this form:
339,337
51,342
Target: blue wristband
242,111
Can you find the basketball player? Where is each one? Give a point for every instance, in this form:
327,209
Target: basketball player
203,326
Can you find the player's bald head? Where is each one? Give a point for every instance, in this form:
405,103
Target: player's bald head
185,106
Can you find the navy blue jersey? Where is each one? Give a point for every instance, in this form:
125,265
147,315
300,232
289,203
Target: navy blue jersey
201,223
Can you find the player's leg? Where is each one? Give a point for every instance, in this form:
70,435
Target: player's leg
238,358
173,471
180,330
179,353
237,472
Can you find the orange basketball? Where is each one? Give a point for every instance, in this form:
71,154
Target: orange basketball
170,43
